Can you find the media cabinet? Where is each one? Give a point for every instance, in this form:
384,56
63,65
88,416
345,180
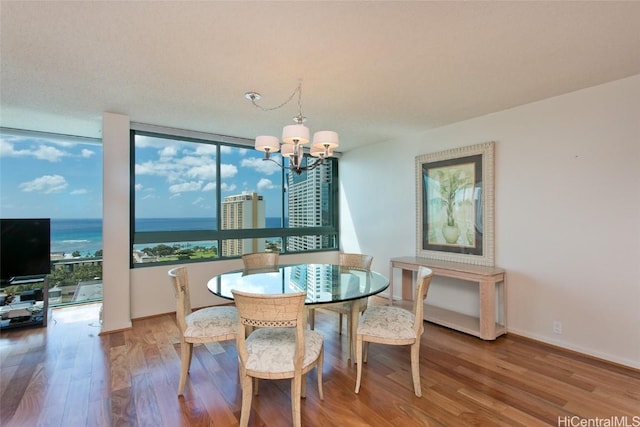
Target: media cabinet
29,307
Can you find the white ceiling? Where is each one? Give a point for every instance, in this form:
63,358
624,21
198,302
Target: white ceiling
372,71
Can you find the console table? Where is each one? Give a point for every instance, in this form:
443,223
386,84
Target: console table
488,280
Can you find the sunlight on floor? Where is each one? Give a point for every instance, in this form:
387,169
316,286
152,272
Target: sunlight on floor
77,313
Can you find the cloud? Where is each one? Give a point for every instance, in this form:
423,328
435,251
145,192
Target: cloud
185,186
86,153
79,191
209,187
204,172
42,152
198,201
168,152
7,149
228,171
51,154
45,184
205,150
265,184
259,165
228,187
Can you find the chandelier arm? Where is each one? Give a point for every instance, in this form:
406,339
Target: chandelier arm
296,169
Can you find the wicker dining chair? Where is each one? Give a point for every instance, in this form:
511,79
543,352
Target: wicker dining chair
259,260
274,343
355,262
210,324
395,326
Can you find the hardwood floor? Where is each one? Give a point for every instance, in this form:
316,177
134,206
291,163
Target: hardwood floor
67,375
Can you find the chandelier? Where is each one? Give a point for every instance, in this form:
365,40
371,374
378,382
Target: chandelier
294,137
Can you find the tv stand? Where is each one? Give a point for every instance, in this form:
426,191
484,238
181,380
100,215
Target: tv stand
27,308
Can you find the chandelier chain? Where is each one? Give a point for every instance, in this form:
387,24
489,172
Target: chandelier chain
298,90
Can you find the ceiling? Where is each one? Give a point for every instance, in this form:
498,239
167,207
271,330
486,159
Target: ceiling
372,71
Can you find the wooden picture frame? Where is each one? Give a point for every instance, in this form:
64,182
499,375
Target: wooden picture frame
455,205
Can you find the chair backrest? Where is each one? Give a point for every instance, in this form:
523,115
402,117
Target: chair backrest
424,280
356,261
260,260
270,311
180,281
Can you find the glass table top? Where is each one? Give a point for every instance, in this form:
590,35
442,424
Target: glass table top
324,283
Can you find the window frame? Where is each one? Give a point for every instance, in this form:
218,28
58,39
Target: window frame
218,235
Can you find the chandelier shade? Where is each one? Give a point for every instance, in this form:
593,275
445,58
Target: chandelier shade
267,143
326,138
292,134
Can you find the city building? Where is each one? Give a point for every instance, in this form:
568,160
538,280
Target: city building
240,212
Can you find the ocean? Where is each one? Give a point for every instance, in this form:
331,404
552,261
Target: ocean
85,235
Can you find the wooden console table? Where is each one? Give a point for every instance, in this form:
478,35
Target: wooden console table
487,278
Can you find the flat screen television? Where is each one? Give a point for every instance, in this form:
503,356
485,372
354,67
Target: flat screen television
24,247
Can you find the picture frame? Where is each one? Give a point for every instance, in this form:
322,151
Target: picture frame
455,205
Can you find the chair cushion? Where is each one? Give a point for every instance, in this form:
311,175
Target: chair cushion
212,322
387,322
271,349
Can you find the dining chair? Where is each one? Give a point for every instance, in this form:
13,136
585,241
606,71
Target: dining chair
395,326
258,260
354,262
274,343
210,324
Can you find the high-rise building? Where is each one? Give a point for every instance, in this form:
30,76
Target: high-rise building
308,201
240,212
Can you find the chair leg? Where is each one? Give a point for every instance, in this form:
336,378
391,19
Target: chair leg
296,385
319,373
359,345
186,349
312,318
415,368
349,335
303,387
340,323
245,411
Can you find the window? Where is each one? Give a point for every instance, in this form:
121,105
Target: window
201,198
45,175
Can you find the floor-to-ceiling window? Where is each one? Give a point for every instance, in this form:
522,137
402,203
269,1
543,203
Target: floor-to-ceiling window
44,175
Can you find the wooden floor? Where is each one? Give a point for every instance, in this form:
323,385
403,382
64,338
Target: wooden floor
67,375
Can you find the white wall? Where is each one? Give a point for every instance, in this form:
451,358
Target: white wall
567,214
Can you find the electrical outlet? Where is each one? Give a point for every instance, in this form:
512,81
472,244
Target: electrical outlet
557,327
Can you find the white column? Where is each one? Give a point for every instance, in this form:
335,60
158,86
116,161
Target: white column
116,305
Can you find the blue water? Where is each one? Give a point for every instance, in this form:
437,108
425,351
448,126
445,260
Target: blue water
85,235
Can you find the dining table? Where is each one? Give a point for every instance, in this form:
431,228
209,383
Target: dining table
325,284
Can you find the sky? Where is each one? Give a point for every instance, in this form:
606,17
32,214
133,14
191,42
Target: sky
58,178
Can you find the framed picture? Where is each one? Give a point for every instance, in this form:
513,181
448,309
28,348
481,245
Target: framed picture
455,204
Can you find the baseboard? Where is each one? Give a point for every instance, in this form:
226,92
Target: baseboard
620,363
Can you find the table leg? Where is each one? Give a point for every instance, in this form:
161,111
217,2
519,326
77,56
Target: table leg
407,285
391,284
487,310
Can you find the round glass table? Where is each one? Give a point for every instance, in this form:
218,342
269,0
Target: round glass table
324,284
